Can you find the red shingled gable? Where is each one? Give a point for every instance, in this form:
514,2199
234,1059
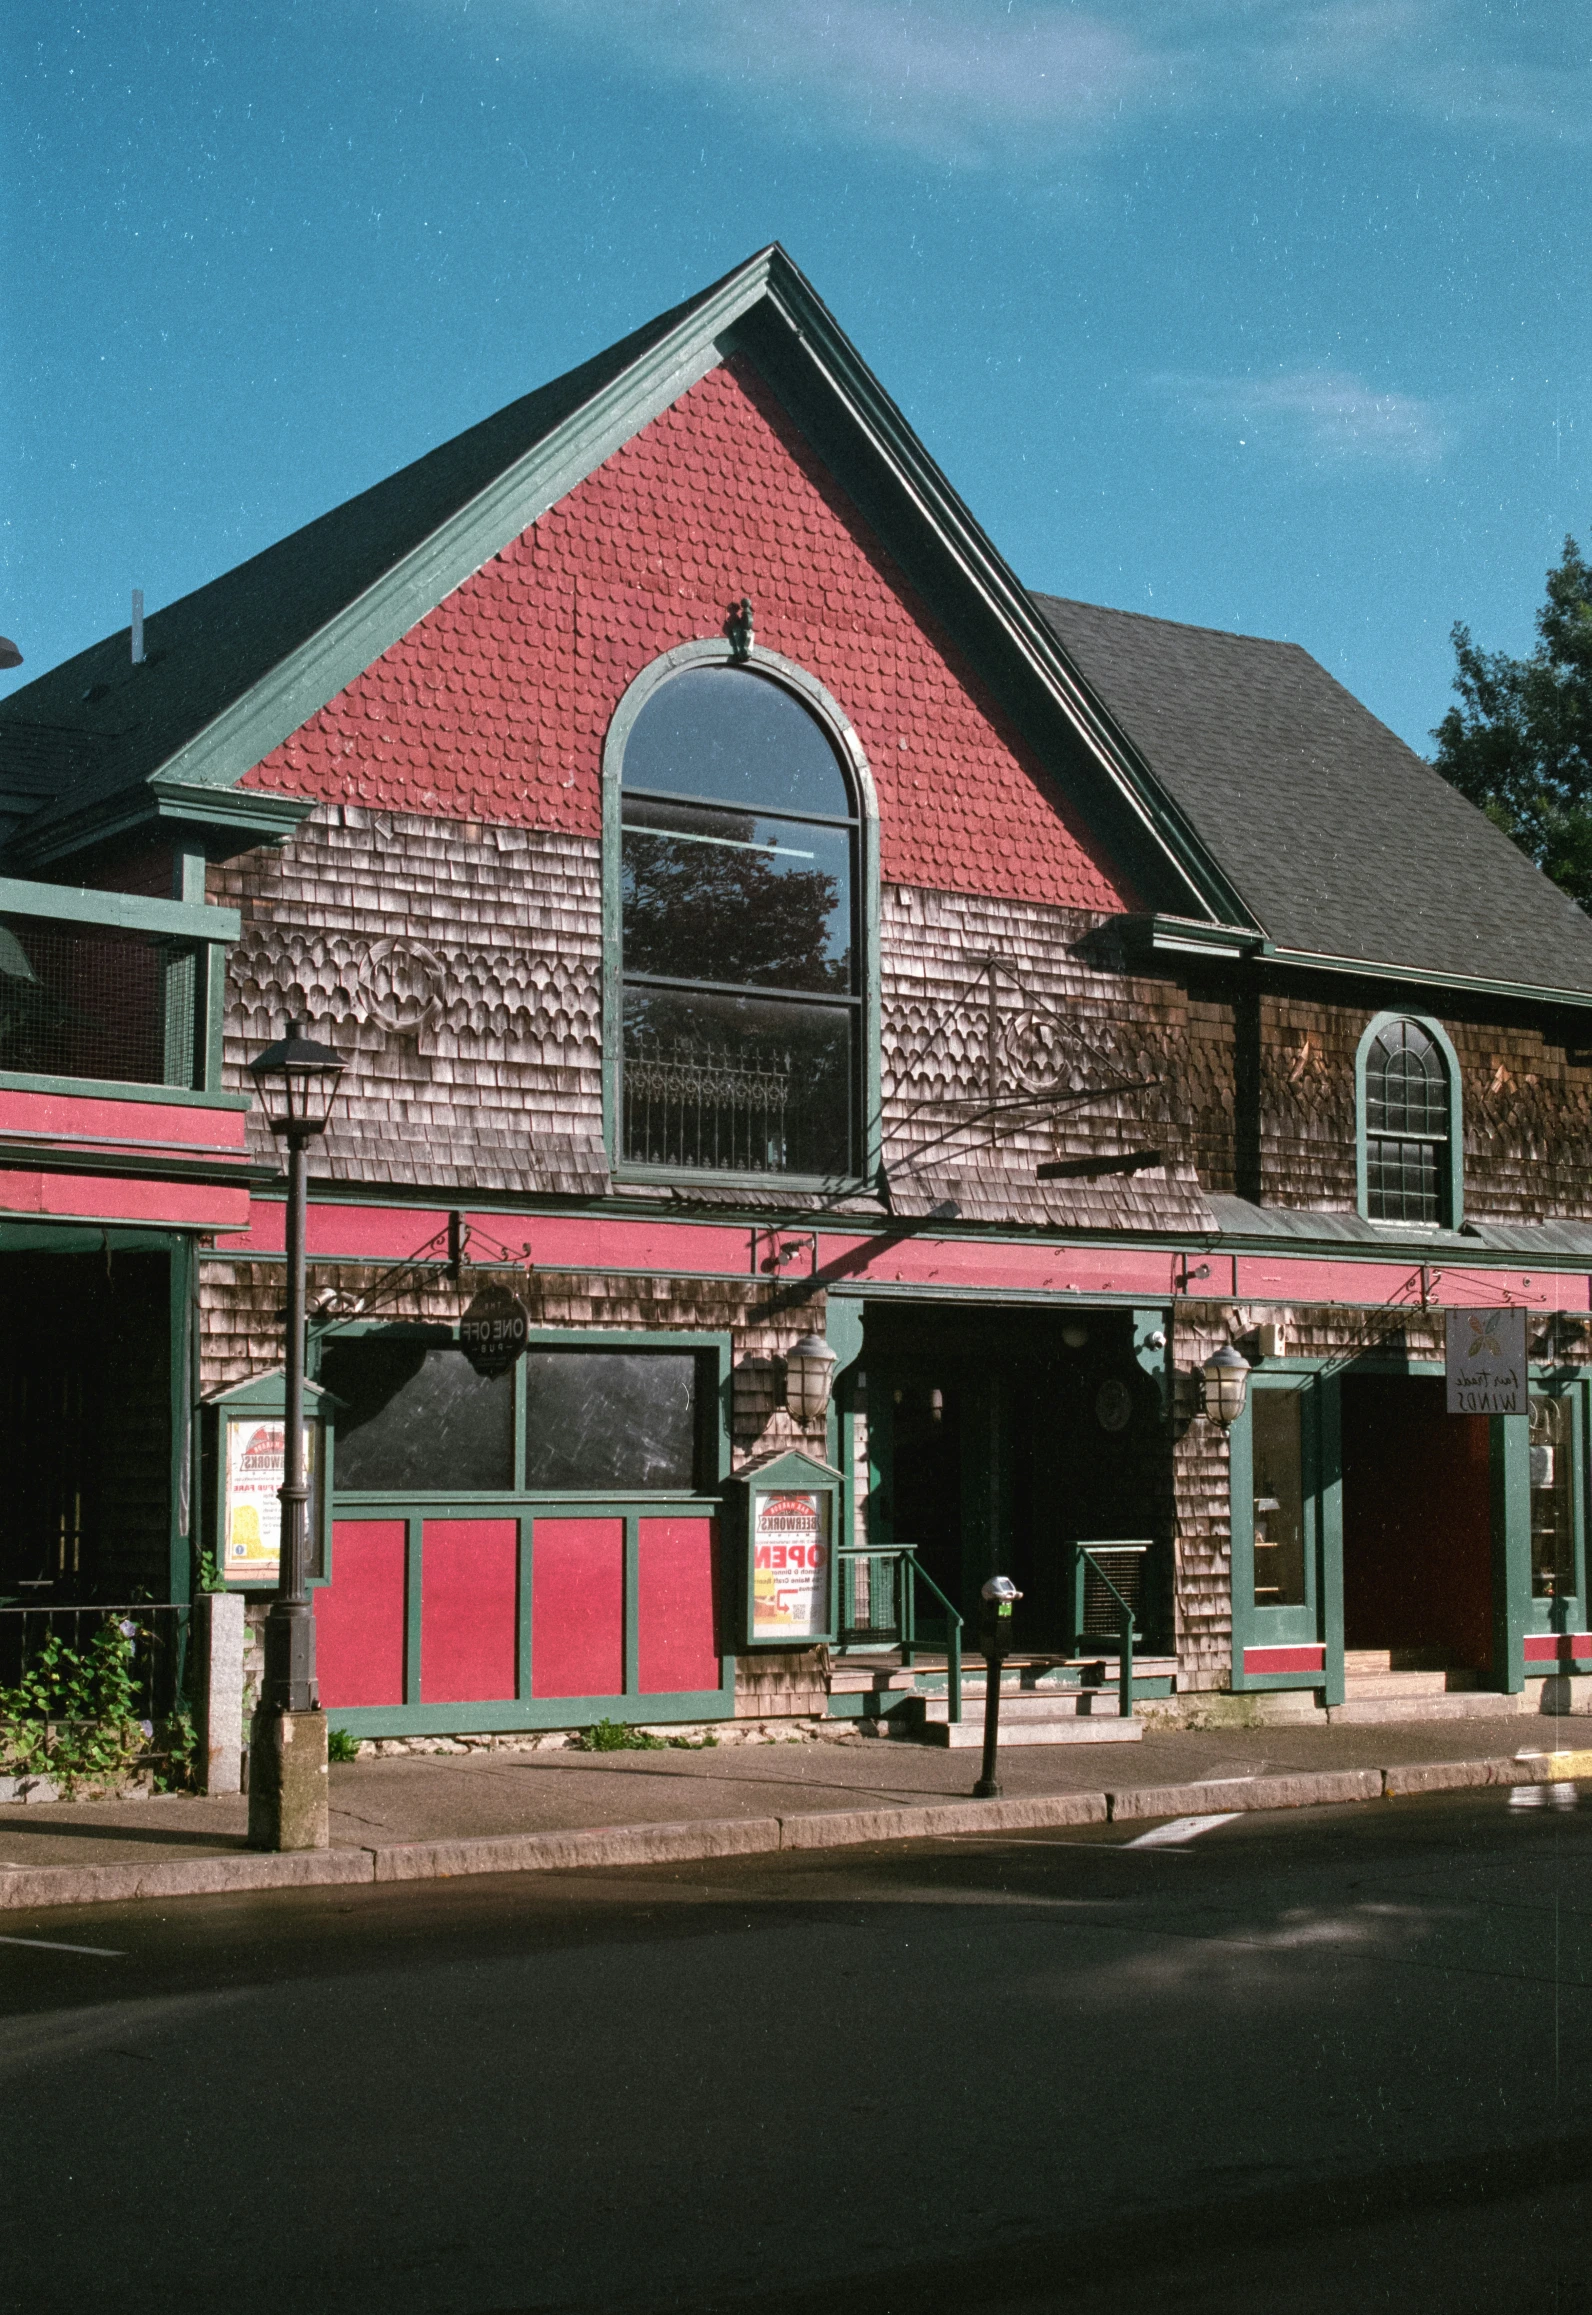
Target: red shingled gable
494,706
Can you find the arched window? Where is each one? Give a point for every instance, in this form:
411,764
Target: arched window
740,964
1408,1124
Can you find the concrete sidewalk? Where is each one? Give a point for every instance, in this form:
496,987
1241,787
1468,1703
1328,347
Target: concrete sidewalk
502,1811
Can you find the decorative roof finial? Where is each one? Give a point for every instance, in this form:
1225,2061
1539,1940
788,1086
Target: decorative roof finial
738,627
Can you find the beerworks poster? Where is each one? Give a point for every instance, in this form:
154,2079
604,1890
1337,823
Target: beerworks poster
251,1551
790,1565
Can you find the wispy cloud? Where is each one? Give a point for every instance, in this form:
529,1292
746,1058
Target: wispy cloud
1327,416
970,81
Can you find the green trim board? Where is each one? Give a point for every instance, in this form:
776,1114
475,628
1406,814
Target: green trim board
120,911
717,651
119,1089
1454,1184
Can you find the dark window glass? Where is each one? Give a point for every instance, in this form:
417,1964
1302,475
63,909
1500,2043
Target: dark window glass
744,887
610,1419
1552,1503
742,1084
724,733
415,1414
1407,1128
1277,1455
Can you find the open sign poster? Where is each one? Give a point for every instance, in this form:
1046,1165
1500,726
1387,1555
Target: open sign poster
251,1549
790,1565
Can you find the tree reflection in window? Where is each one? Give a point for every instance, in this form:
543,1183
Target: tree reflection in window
738,921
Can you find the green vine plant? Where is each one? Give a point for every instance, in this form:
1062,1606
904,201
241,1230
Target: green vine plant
72,1717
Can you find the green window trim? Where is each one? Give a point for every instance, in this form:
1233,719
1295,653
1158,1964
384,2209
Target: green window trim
717,651
1452,1192
1302,1624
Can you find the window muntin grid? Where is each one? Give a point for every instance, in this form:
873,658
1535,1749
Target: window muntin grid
1407,1126
740,934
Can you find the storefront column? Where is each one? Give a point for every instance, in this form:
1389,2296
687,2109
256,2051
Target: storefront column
1510,1471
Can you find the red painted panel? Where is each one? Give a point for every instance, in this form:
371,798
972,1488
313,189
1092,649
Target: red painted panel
111,1198
1312,1659
677,1635
469,1590
359,1615
78,1117
1557,1647
494,706
578,1608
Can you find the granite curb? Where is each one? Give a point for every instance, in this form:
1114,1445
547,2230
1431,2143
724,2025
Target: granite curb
29,1887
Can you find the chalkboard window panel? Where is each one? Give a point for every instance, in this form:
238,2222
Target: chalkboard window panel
600,1419
416,1416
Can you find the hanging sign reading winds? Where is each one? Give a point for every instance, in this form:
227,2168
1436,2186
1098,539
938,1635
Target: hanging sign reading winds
790,1564
1487,1362
494,1330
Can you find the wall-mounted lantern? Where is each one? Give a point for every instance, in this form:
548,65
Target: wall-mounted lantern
809,1378
1224,1381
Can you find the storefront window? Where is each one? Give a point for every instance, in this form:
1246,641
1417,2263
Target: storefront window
1552,1507
1277,1451
610,1419
415,1414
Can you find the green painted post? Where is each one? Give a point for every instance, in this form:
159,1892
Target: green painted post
1329,1434
953,1683
1125,1669
1510,1473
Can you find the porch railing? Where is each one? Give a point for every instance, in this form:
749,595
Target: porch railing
879,1588
155,1637
1094,1579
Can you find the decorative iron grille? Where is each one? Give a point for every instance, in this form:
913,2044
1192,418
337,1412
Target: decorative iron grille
707,1106
1102,1618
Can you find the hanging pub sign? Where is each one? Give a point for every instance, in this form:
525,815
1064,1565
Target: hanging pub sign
494,1330
789,1507
1487,1362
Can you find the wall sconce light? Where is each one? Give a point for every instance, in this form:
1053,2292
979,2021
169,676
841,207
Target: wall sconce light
809,1377
1224,1385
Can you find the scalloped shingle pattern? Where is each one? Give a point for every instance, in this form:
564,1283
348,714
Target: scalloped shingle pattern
495,705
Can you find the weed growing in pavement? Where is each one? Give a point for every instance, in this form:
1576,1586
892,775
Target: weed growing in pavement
615,1736
341,1744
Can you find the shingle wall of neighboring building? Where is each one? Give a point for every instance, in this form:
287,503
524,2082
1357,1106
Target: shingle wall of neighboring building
494,708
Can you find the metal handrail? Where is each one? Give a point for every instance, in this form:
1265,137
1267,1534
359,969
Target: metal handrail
906,1555
1125,1642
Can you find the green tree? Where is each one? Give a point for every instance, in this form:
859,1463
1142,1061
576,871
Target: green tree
1519,743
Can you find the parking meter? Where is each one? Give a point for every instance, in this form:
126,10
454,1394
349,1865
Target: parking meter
996,1602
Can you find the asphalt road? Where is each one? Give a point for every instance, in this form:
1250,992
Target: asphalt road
1336,2060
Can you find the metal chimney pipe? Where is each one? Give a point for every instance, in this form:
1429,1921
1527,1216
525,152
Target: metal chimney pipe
138,626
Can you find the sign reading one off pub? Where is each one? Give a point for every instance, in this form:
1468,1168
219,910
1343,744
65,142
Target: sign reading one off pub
494,1330
1487,1362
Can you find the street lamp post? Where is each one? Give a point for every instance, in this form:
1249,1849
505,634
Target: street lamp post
297,1084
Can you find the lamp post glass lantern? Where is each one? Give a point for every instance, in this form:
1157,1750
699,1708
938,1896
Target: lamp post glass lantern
297,1084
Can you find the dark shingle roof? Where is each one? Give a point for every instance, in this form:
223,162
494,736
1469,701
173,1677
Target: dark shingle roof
102,725
1341,840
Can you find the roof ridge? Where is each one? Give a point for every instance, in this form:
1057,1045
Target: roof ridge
1183,626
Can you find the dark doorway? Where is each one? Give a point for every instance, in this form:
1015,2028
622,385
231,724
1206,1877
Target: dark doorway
1417,1524
85,1427
1001,1437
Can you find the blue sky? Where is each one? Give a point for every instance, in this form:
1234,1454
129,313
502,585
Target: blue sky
1265,314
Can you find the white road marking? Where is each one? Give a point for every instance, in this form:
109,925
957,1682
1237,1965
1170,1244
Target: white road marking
1179,1830
50,1945
1541,1796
